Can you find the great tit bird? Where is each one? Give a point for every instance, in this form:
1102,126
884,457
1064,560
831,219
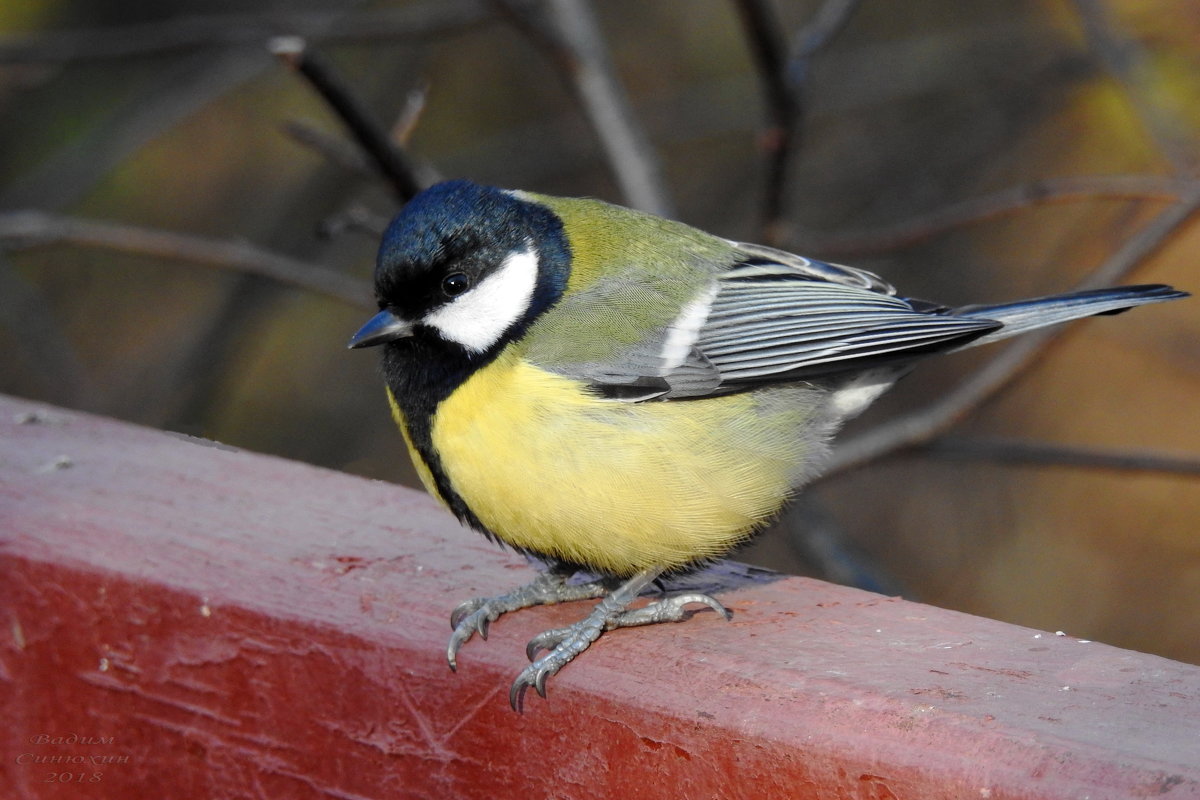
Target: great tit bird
626,396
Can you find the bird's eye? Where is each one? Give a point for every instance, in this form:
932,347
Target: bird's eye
455,284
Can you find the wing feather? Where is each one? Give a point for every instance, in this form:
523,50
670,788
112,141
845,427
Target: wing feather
781,323
771,317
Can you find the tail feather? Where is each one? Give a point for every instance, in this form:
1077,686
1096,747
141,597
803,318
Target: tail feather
1027,315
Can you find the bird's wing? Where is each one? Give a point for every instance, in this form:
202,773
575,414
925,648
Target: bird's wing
770,322
767,317
771,260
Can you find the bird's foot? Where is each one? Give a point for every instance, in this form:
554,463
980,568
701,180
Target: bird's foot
669,609
549,587
610,613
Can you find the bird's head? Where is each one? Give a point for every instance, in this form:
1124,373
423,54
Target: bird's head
466,264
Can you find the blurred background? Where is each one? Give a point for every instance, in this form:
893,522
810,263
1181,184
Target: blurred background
187,238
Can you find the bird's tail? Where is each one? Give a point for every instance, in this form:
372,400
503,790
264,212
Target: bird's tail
1026,315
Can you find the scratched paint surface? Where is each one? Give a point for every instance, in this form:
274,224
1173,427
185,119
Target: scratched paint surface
240,626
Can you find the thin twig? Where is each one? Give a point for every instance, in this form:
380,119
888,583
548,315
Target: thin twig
831,18
923,425
333,148
409,22
346,155
24,230
1045,454
1147,241
354,219
784,72
570,37
784,106
410,115
393,164
979,209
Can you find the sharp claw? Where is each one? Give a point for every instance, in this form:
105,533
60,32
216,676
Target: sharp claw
468,618
462,610
452,652
543,641
546,640
717,606
535,675
516,697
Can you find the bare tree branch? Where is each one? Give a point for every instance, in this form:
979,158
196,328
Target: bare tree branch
979,209
393,164
769,50
1044,454
334,149
784,72
408,22
23,230
570,36
1146,242
923,425
345,154
350,157
406,122
353,219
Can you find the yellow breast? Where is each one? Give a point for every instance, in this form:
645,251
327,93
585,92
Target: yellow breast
617,486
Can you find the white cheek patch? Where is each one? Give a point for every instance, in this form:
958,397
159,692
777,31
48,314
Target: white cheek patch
477,319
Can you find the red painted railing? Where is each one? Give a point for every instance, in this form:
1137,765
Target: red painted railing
182,620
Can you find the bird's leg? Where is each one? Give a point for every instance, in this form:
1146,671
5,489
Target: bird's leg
610,613
549,587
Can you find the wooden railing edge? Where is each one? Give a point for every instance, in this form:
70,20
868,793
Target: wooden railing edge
193,621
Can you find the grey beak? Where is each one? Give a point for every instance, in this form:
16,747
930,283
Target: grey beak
381,328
